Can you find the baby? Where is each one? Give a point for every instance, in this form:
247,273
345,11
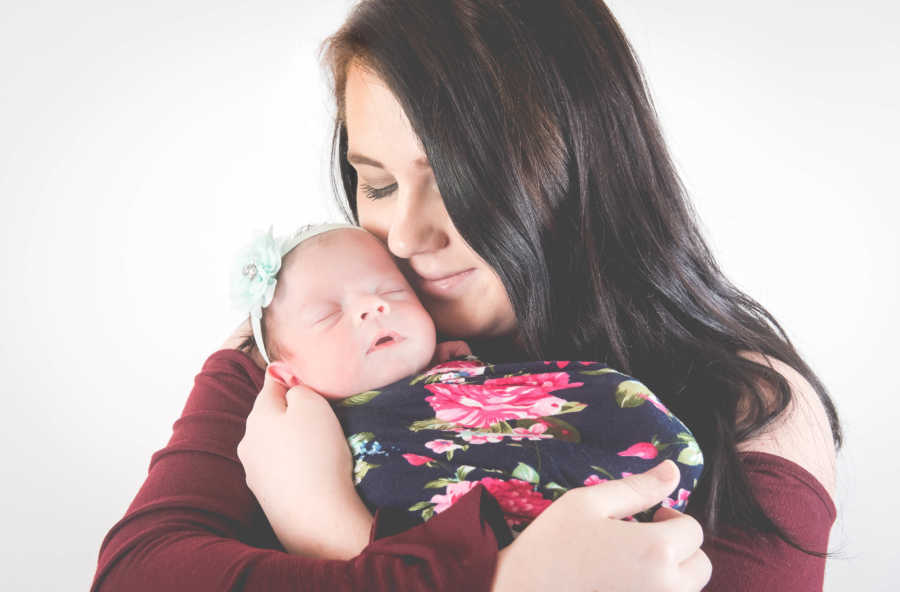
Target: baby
345,323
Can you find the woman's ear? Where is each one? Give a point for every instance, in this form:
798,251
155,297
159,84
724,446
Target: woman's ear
284,374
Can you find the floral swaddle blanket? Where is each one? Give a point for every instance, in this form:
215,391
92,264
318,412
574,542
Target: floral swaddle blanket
526,431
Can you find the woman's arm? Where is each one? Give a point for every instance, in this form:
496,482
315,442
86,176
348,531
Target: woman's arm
745,562
791,468
195,526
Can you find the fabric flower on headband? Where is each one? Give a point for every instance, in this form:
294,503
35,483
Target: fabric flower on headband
255,275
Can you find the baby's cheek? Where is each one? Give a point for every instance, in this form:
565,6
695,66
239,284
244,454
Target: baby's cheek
343,369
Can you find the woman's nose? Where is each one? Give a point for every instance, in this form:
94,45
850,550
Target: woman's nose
370,307
417,224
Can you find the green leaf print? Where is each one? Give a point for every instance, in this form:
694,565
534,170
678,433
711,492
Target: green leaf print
554,486
420,506
604,471
500,427
691,455
360,468
562,430
439,483
463,471
555,489
427,513
358,441
359,399
571,407
599,371
432,424
627,393
526,473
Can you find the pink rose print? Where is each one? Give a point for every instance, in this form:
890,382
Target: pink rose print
651,398
479,438
549,381
559,363
644,450
594,480
454,492
417,460
683,496
441,446
467,367
518,500
481,406
533,432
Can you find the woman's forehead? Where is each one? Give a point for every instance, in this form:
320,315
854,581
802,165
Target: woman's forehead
377,127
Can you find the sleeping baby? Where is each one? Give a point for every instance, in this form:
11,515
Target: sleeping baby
427,422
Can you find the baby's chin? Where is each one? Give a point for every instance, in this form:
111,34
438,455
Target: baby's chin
384,370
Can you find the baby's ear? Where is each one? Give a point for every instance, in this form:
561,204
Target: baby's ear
284,374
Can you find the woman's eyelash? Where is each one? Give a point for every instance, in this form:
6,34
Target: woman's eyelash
378,192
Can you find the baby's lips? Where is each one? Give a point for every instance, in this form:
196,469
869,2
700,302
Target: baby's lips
384,337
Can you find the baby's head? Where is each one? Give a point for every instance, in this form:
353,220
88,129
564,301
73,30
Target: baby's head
343,318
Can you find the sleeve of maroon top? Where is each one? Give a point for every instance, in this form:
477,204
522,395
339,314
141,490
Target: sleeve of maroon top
798,503
194,526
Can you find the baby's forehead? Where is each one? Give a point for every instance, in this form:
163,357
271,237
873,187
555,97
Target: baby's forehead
344,255
343,244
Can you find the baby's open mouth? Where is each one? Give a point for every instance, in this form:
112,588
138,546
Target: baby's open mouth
385,340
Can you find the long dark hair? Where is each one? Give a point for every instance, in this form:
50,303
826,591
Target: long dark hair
546,147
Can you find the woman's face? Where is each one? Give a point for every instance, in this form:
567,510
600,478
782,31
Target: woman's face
398,201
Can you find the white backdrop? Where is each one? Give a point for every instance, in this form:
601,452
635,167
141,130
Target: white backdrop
140,143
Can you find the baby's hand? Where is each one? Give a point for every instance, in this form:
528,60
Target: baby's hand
298,465
448,350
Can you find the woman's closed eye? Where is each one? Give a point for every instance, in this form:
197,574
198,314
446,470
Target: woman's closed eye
377,192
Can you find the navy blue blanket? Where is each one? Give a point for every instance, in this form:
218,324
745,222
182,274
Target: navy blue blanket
526,431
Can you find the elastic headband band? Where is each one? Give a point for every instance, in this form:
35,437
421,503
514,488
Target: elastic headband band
256,272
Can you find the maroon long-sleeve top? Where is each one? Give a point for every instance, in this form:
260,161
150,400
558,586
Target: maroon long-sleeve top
194,526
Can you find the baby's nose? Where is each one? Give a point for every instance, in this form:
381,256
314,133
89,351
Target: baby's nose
373,307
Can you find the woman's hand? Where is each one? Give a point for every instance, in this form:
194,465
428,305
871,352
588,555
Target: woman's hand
298,465
580,543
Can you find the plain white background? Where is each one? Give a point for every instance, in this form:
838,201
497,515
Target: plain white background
141,143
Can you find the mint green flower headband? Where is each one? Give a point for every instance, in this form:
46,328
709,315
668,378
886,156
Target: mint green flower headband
256,272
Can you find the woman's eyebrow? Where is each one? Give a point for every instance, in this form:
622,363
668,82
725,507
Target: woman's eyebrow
355,159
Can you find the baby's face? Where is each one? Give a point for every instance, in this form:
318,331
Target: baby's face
344,318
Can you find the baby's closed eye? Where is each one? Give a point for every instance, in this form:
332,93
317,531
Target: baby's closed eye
395,294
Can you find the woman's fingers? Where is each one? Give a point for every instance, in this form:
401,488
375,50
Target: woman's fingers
683,533
272,395
635,493
696,570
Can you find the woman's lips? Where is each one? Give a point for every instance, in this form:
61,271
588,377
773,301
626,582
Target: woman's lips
447,285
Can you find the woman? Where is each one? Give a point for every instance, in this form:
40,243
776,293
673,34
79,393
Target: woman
509,156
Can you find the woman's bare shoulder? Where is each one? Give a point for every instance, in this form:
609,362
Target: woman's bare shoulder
802,433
